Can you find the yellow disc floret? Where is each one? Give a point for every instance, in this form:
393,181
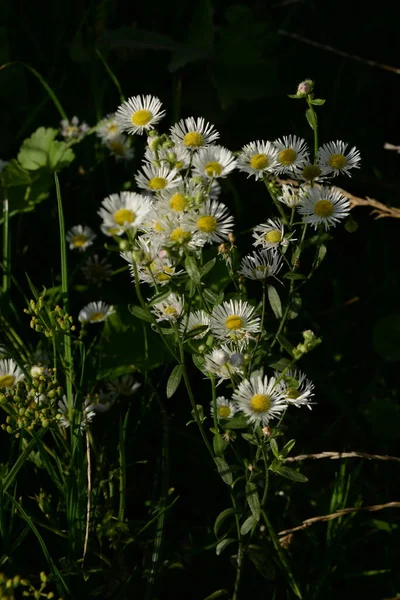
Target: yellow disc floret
337,161
213,169
324,208
259,161
224,412
193,139
177,202
208,224
310,172
124,215
79,240
97,316
292,393
180,236
287,157
6,381
273,237
234,322
157,183
112,129
170,311
141,118
260,403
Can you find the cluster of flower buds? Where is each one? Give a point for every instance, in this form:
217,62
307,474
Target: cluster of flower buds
48,321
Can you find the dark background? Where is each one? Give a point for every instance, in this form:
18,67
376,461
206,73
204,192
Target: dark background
234,64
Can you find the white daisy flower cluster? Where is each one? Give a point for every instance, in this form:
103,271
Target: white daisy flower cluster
111,136
73,129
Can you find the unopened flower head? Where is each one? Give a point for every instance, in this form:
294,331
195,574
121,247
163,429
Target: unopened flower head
296,388
139,114
292,154
324,206
97,270
10,373
213,162
218,363
72,129
261,265
196,320
270,235
193,134
123,211
234,320
333,158
225,408
259,399
257,159
305,87
95,312
174,158
155,179
169,309
80,237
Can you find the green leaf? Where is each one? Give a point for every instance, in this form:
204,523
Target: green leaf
140,313
192,269
295,306
198,360
196,331
274,448
60,155
294,276
159,297
262,563
280,364
212,297
274,301
351,224
320,255
318,101
34,152
207,267
284,342
250,438
217,594
219,444
221,518
249,524
287,448
174,380
239,422
14,175
224,470
386,337
253,500
291,474
312,119
223,544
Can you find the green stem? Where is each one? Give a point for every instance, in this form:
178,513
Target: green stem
240,553
271,189
122,466
214,401
6,248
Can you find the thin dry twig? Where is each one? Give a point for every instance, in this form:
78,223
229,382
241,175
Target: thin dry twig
287,534
338,455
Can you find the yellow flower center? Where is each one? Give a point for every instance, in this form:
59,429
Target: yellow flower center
263,269
170,311
213,169
157,226
323,208
117,148
207,224
311,172
193,139
224,412
234,322
79,240
180,236
337,161
179,165
97,316
113,129
141,117
157,183
124,215
260,403
177,202
287,157
273,237
259,161
292,393
6,381
113,230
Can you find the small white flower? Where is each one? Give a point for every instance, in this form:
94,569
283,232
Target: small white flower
169,309
299,394
97,270
153,270
80,237
270,235
257,158
124,386
225,408
290,196
234,320
139,114
195,320
213,221
108,128
123,211
37,370
292,154
95,312
193,133
10,373
155,179
261,265
119,147
181,235
214,162
324,206
87,413
334,159
72,129
259,399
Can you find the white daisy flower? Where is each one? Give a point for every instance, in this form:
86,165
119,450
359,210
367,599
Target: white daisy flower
292,154
261,265
169,309
270,235
156,271
193,134
181,235
324,206
119,147
80,237
72,129
139,114
87,413
290,196
213,162
213,221
257,158
97,270
108,128
225,408
235,320
155,179
95,312
123,386
123,211
259,399
195,320
10,373
334,159
296,388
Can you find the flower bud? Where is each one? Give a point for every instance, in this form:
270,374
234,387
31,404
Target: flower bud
220,357
304,88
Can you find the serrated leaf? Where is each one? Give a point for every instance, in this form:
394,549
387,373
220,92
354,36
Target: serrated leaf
60,155
253,500
262,563
174,380
14,175
221,518
223,470
312,119
219,444
294,276
291,474
274,301
192,269
223,544
318,101
140,313
239,422
34,151
217,594
248,525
